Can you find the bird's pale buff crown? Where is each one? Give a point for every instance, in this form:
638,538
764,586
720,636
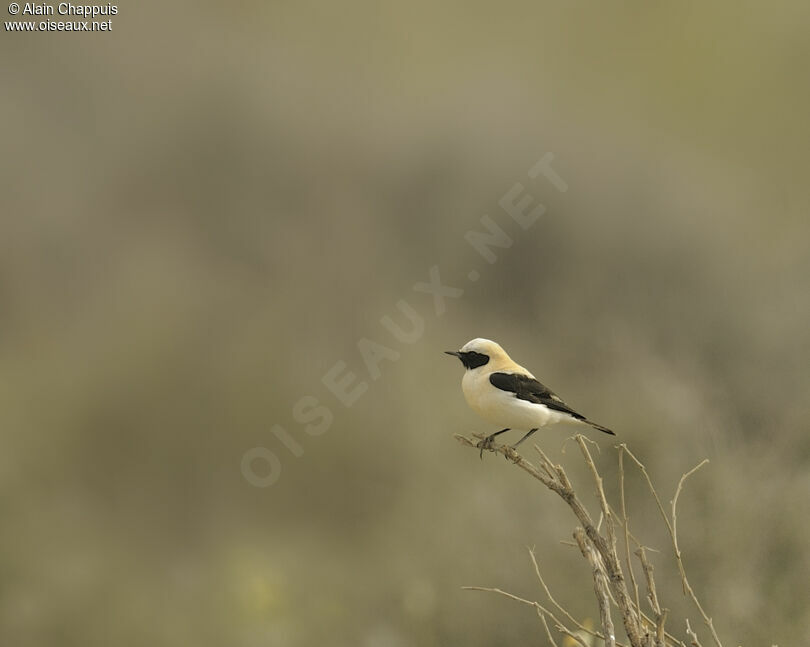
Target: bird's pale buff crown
485,347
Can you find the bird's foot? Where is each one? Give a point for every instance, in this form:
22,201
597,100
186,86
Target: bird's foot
483,444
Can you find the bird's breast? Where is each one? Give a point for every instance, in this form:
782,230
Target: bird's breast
487,401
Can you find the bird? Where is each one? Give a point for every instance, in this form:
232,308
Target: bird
507,395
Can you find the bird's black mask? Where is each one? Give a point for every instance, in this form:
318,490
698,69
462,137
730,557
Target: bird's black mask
470,358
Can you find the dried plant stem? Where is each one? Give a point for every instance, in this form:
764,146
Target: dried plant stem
545,626
555,478
600,585
626,523
652,594
540,609
599,546
692,635
607,551
671,527
558,606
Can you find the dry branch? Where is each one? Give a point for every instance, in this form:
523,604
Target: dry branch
600,548
671,527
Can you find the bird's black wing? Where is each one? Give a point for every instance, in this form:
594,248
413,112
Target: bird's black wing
527,388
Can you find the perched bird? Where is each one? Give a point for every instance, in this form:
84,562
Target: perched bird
507,395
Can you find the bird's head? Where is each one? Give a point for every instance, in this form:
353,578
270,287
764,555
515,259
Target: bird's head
478,352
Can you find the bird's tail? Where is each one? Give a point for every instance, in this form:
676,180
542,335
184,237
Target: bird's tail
599,427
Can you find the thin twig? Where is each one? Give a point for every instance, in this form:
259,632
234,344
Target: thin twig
545,626
556,604
675,503
673,536
600,490
626,523
692,635
558,625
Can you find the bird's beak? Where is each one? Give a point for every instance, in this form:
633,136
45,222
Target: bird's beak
454,353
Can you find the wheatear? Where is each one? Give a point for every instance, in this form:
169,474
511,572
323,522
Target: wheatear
508,395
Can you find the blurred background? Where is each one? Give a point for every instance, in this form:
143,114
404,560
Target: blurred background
206,209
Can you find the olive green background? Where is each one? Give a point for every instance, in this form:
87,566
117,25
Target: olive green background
207,208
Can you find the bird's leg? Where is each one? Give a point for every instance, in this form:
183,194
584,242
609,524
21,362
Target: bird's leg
486,443
531,431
